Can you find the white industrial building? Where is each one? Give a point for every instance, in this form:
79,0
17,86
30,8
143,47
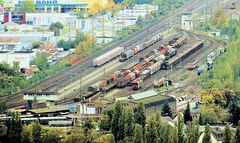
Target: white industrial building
43,19
27,38
10,44
23,57
187,21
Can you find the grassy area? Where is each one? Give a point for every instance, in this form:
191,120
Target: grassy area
164,89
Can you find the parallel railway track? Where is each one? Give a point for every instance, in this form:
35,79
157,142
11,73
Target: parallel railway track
63,78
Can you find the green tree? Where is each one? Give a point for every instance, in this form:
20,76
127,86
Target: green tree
175,134
237,135
129,123
187,114
207,134
56,25
3,133
201,119
166,110
166,134
180,126
1,2
235,110
158,121
36,44
139,115
3,106
36,132
227,134
26,136
27,6
41,61
116,120
15,128
76,135
192,132
138,134
106,118
52,135
151,132
88,125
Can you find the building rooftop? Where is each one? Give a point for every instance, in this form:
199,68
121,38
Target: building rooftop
143,95
48,110
9,39
156,100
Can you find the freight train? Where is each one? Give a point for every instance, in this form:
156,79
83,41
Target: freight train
135,73
140,47
183,55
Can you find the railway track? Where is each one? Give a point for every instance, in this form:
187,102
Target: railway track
200,55
126,91
63,78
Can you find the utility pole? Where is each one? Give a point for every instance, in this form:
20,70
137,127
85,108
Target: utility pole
69,30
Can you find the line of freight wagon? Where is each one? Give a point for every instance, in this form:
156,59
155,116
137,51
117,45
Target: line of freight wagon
160,82
126,54
148,65
210,60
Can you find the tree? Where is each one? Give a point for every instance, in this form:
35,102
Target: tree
26,136
237,135
201,119
41,60
15,128
158,121
187,114
85,47
3,106
88,125
151,132
116,120
56,25
227,134
36,44
235,110
105,121
192,132
52,135
180,126
139,115
166,134
207,135
3,133
36,132
1,2
76,135
166,110
27,6
106,138
129,123
138,134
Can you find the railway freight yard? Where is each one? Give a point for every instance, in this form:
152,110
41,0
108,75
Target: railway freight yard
162,63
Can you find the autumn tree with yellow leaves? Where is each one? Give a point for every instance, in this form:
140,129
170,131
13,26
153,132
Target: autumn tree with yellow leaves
85,47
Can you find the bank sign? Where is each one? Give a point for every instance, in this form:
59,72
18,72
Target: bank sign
45,2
